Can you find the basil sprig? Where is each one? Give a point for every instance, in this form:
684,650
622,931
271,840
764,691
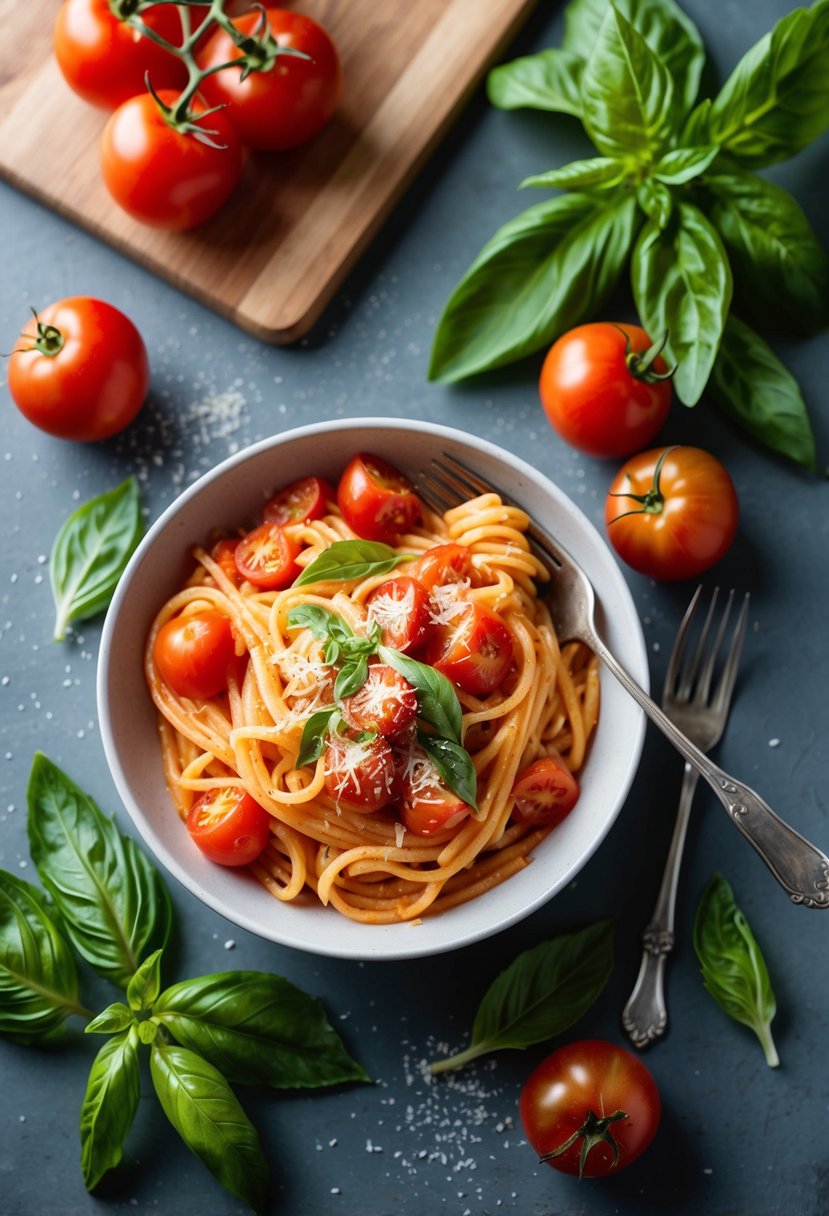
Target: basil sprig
733,968
203,1035
345,560
541,994
674,194
90,553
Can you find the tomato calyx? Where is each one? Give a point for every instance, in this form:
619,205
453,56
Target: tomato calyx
49,340
260,50
595,1130
653,500
640,364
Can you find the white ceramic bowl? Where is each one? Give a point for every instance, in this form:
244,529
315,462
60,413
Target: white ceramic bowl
231,494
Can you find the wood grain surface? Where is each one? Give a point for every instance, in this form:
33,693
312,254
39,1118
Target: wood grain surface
275,254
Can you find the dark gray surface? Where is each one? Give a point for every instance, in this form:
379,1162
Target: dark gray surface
736,1137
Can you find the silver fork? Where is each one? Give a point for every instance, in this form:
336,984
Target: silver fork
688,701
800,867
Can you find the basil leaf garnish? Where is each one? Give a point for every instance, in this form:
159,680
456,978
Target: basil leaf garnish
438,703
114,905
90,553
351,677
733,968
345,560
455,766
109,1106
550,80
313,617
313,736
541,994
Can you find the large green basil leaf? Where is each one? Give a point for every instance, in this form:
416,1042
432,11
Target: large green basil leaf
751,386
437,701
776,101
781,271
682,283
733,968
542,273
257,1029
114,904
207,1115
681,165
455,766
109,1106
668,31
550,80
345,560
38,977
626,94
598,171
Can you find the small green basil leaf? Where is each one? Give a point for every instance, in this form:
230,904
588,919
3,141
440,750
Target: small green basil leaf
437,701
682,165
346,560
550,80
351,677
112,1020
90,553
257,1029
733,968
626,93
695,132
780,268
114,904
109,1106
331,654
751,386
682,282
313,736
313,617
455,766
656,201
147,1032
207,1115
776,101
145,985
542,994
38,977
539,275
581,175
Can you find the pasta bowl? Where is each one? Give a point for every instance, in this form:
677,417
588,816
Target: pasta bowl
231,495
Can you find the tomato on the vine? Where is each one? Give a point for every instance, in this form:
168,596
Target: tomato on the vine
289,99
545,792
229,826
163,171
591,1108
605,388
194,653
79,370
376,500
671,513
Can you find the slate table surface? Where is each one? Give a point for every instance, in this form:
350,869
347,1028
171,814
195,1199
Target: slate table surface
736,1137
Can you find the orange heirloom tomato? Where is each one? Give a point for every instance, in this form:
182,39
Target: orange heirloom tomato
229,826
193,653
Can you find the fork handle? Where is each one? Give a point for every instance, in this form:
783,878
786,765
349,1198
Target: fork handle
800,867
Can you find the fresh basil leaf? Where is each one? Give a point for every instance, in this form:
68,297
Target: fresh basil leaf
751,386
145,985
656,201
351,677
90,553
733,968
695,132
313,736
682,165
626,93
112,1020
781,271
114,904
455,766
581,175
776,101
257,1029
541,994
550,80
207,1115
682,283
541,274
38,977
346,560
313,617
437,701
109,1106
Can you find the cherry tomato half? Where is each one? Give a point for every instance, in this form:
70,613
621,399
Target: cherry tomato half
292,99
591,1108
604,389
545,792
193,653
386,704
267,557
671,513
376,500
300,502
400,606
79,370
229,826
474,650
427,805
443,564
165,177
360,772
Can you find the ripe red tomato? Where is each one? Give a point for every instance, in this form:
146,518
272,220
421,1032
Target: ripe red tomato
376,500
193,652
229,826
79,370
300,502
165,177
602,391
400,606
288,102
672,512
104,60
360,772
545,792
427,806
386,704
267,557
474,650
443,564
591,1108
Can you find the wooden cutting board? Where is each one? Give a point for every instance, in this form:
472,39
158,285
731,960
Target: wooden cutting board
274,256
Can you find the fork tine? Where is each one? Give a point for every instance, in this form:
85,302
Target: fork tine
704,683
678,652
722,696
